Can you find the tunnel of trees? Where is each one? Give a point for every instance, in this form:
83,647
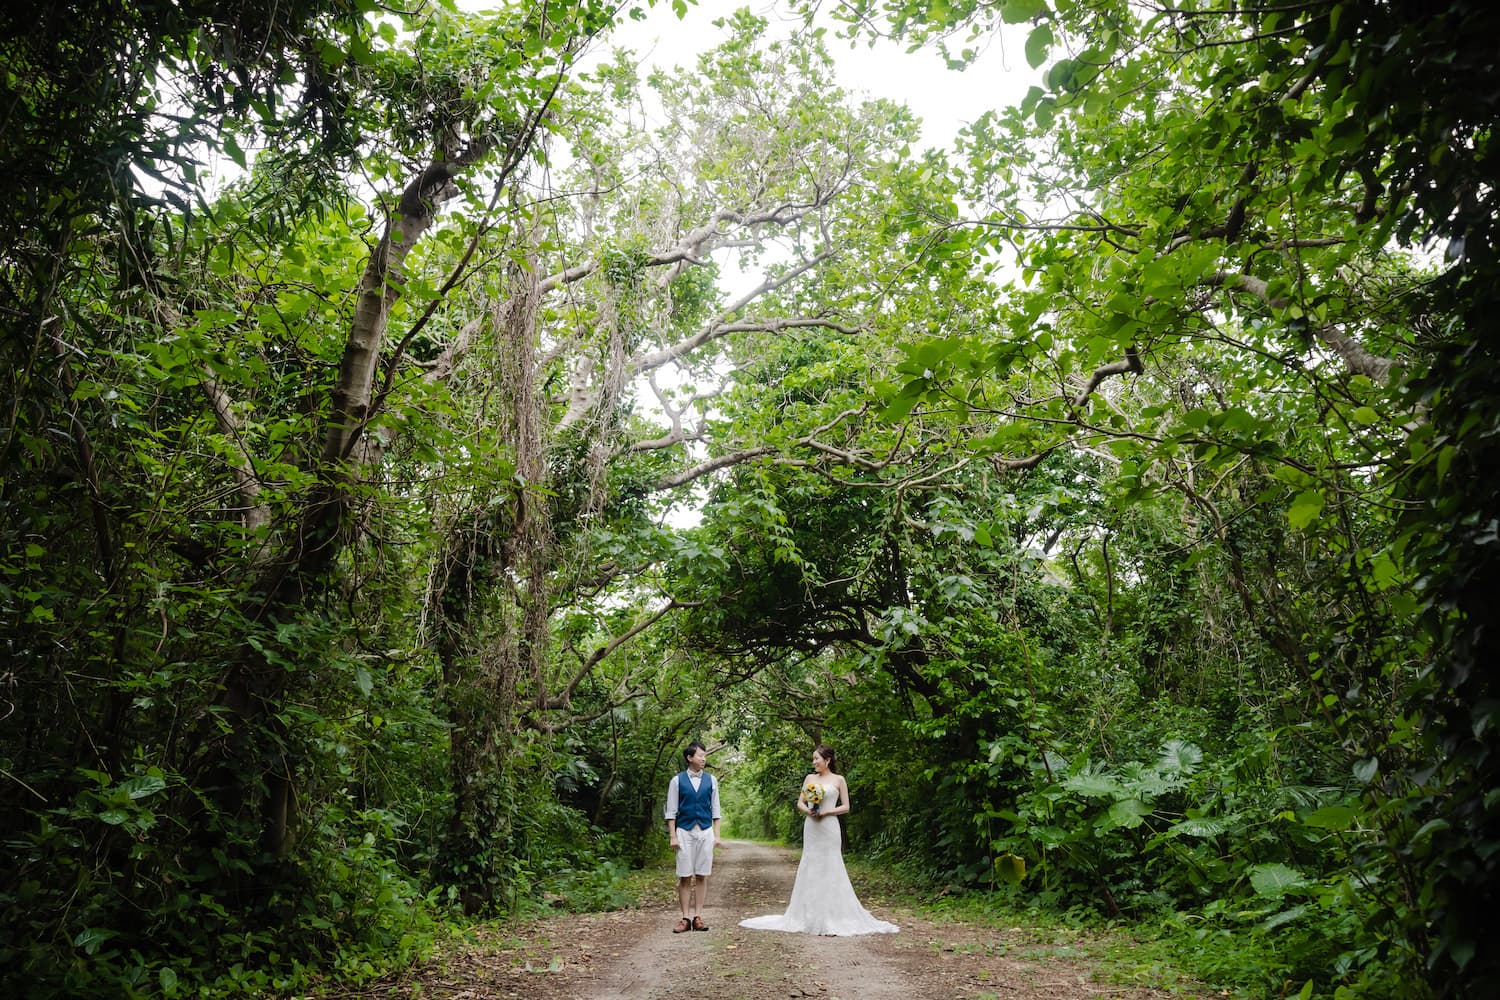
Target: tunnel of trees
417,423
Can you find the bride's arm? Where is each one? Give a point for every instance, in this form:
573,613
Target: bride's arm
843,806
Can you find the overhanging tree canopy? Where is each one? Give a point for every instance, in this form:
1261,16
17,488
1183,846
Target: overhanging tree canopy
333,504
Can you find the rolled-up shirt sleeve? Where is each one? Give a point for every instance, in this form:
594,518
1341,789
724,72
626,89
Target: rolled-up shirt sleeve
717,813
670,812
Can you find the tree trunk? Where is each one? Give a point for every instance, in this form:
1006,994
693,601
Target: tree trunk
233,760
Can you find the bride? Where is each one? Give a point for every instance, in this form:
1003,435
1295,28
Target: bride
823,901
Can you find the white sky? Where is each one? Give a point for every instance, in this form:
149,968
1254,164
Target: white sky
944,99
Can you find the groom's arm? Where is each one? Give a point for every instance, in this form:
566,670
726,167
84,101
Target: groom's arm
671,814
715,811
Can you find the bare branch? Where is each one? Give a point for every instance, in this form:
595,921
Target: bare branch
1103,226
676,435
695,245
808,440
848,458
569,275
934,478
712,465
564,698
719,327
669,440
797,323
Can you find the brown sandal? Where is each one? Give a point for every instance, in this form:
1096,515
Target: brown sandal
699,925
682,925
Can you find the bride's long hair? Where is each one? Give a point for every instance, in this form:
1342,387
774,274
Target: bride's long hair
827,753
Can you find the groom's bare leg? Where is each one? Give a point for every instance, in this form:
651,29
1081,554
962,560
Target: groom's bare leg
685,895
702,894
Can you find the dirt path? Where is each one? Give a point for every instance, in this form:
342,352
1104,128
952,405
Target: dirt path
633,954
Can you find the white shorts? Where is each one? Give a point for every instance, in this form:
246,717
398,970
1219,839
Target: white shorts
696,855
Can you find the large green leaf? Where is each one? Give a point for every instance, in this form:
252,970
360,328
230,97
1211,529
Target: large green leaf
143,785
1010,868
1202,826
1286,916
1336,818
1180,757
1038,44
1093,785
1127,814
1276,880
1306,508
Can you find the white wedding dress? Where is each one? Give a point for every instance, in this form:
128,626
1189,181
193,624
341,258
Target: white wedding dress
823,901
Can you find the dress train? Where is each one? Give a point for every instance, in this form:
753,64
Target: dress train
823,900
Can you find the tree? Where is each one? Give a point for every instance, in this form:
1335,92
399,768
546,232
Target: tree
1312,149
613,288
190,498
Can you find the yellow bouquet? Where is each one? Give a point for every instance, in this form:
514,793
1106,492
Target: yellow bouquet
812,793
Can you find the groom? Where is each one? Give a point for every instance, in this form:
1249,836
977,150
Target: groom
693,830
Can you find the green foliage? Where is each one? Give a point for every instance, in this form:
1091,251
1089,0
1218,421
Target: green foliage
1305,117
225,779
1135,559
604,885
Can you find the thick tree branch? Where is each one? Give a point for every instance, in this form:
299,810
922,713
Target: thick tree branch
1258,287
1131,363
254,514
515,153
353,392
1359,360
1002,464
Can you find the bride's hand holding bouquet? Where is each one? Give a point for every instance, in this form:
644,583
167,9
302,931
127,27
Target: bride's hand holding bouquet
812,794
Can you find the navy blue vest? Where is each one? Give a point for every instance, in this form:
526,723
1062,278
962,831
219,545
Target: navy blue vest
695,810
